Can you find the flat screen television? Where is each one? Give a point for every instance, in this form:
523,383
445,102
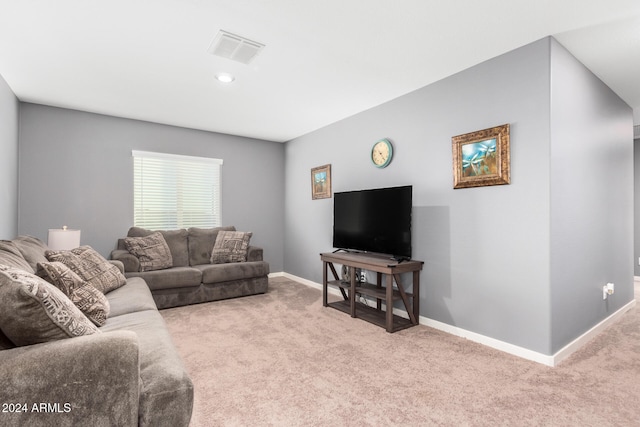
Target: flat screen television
376,220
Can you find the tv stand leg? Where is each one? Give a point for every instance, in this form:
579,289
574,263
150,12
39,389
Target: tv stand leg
389,301
379,286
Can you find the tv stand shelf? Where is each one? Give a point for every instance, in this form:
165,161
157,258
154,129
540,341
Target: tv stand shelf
382,265
369,289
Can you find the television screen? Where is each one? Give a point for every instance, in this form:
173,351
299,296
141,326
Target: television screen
376,220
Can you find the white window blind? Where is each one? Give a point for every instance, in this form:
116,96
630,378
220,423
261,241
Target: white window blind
173,191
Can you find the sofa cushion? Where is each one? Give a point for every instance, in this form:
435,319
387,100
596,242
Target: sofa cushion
152,251
230,246
32,249
134,296
34,311
88,299
91,266
214,273
176,240
176,277
201,241
10,256
166,391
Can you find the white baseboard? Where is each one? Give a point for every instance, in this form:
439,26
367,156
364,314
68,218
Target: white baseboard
549,360
277,274
332,290
591,333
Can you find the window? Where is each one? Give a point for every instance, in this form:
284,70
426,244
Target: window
172,191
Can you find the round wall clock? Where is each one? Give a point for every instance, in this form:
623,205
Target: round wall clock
381,153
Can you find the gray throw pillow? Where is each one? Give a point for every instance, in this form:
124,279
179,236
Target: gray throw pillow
88,299
152,251
32,249
90,266
230,246
34,311
11,256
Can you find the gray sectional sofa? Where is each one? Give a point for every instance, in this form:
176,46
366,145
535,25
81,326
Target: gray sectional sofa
192,278
126,372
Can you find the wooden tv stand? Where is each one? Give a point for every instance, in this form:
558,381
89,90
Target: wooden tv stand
381,264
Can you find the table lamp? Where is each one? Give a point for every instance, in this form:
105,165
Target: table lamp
63,238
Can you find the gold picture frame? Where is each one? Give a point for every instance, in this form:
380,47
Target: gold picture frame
482,158
321,182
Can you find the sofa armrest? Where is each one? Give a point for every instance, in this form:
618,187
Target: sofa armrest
89,380
118,264
254,253
131,263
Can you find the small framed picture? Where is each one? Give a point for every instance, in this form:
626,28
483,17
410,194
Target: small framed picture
482,158
321,182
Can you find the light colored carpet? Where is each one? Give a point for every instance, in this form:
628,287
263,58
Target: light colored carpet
281,359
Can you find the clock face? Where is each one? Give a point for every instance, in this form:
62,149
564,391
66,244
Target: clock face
381,153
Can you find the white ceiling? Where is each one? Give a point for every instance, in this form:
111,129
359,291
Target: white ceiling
323,60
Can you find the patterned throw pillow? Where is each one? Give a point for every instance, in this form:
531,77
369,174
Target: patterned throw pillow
152,251
177,241
88,299
201,241
90,266
34,311
230,246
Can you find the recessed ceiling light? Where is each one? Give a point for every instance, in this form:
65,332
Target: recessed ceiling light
225,78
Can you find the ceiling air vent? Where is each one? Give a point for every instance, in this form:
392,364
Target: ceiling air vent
234,47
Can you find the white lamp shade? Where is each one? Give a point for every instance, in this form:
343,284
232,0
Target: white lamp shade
63,239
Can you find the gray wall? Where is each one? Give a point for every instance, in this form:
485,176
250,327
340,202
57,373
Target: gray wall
487,250
76,169
636,209
8,162
591,198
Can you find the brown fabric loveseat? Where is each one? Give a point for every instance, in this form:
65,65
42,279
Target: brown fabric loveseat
191,277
